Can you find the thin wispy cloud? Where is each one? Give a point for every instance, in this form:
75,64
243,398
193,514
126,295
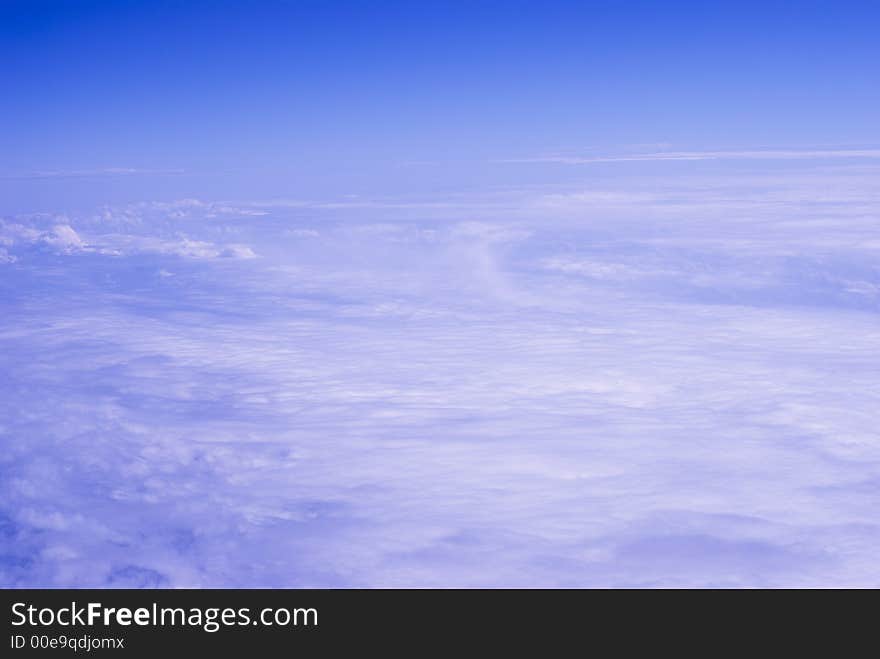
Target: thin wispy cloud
91,173
664,156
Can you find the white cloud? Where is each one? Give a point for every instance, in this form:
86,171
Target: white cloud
56,234
60,237
63,238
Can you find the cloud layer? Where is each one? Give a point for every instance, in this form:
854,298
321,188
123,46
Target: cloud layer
667,382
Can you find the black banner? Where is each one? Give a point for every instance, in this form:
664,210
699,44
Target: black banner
144,623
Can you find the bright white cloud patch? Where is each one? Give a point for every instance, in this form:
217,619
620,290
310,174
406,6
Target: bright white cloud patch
670,383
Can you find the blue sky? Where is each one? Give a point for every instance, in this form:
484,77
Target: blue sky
439,294
264,99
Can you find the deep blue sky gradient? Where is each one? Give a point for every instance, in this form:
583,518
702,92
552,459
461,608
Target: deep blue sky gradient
256,99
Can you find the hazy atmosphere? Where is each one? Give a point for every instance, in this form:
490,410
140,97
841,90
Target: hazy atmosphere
352,294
